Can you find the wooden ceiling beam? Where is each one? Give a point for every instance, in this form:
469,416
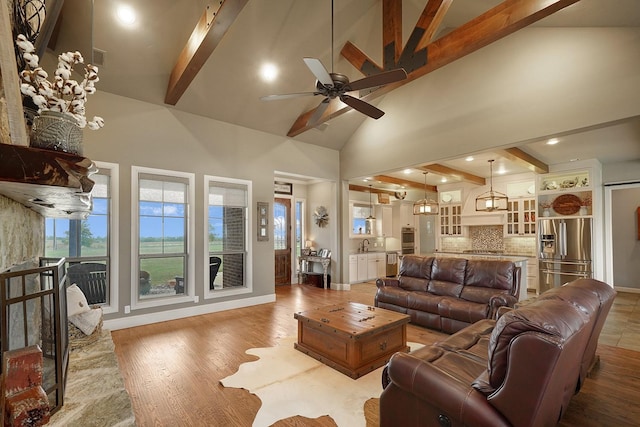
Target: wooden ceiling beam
498,22
458,174
405,183
208,33
363,189
391,32
518,156
430,20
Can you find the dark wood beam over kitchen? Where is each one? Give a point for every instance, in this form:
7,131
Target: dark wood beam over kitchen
405,183
518,156
455,173
498,22
211,28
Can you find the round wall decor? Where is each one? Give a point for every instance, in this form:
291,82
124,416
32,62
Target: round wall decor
321,216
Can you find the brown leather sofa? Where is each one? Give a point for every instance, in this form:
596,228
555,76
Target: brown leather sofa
448,294
520,370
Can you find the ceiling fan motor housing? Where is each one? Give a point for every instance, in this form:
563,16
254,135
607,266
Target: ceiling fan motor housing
340,85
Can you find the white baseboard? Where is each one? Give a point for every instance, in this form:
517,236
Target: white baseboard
629,290
181,313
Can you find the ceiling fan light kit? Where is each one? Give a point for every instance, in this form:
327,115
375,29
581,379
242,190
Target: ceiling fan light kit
491,201
426,206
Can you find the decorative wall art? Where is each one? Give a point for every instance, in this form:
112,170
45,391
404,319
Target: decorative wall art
321,216
263,221
283,188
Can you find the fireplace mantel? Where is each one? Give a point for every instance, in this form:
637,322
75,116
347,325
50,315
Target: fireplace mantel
52,183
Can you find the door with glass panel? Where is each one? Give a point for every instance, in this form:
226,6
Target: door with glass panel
282,240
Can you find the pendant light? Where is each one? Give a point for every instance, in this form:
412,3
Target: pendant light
425,206
371,220
491,200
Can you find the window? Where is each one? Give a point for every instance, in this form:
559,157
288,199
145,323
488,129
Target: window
163,274
90,241
359,223
227,225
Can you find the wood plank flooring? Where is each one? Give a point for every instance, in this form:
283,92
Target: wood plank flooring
172,369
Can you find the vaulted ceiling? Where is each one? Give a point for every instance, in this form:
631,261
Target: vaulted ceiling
206,59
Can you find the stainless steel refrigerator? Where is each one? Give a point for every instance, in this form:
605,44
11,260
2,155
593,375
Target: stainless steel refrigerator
565,251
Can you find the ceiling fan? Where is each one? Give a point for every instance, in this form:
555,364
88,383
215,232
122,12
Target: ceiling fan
335,85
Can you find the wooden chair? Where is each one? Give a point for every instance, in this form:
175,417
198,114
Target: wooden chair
91,278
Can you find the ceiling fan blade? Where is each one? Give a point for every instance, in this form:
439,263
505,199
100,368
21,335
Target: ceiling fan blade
319,71
287,96
363,107
320,109
379,79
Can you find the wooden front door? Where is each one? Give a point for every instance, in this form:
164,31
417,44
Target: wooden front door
282,240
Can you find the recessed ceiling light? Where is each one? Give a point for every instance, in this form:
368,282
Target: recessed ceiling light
443,179
552,141
269,72
126,14
407,171
469,159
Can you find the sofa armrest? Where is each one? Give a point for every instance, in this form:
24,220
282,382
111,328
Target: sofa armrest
454,399
497,301
387,281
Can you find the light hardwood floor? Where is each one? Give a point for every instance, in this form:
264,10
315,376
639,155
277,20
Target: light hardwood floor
172,369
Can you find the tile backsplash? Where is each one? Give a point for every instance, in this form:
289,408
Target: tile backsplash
490,238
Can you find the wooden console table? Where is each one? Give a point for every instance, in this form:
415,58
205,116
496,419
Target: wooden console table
310,259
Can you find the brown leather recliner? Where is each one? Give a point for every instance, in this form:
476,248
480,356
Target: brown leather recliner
520,370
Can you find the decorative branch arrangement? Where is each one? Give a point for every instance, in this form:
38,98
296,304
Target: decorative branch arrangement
63,94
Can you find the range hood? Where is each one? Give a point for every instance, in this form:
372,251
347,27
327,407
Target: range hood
484,218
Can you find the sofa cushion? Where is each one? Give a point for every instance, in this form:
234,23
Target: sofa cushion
413,283
495,275
552,317
447,276
416,266
458,309
480,294
423,301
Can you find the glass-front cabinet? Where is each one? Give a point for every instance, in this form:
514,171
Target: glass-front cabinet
521,217
451,213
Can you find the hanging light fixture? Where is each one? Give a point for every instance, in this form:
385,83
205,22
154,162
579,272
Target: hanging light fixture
425,206
371,220
491,200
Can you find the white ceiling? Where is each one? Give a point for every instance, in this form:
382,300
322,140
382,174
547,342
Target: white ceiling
139,60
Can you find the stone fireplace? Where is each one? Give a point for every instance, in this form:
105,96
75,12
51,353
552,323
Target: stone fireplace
33,308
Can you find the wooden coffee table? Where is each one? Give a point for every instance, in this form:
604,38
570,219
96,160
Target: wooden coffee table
352,338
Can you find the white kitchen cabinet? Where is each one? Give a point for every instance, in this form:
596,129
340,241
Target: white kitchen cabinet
384,221
353,268
521,217
381,265
372,266
362,268
451,219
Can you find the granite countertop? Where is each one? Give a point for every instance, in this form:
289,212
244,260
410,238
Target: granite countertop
502,256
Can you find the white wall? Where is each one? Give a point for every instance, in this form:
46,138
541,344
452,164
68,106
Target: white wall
143,134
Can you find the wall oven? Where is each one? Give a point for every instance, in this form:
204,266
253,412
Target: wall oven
407,239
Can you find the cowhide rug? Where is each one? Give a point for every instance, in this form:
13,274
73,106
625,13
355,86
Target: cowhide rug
290,383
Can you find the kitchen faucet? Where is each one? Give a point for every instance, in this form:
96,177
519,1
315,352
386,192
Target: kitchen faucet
365,249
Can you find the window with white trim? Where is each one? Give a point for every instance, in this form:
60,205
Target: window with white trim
163,267
227,225
90,241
